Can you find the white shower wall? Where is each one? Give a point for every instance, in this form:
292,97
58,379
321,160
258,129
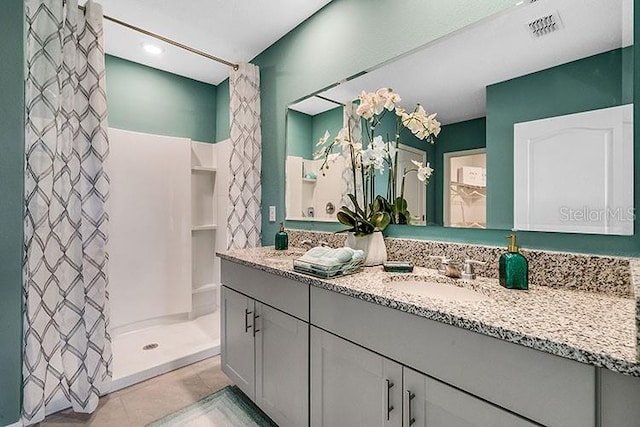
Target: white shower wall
168,218
150,227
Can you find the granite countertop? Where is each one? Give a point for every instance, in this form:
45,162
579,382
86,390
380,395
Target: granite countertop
588,327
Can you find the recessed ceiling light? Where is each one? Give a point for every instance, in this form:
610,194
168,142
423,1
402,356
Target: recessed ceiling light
152,48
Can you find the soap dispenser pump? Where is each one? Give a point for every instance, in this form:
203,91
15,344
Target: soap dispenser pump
282,239
513,267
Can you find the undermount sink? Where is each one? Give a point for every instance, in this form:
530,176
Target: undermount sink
441,291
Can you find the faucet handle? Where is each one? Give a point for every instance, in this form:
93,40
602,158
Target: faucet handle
443,260
468,273
323,243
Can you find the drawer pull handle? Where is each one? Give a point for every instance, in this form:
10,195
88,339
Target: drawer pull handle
411,397
389,406
246,320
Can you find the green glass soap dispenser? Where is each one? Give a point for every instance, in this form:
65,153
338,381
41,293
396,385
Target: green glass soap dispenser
513,267
282,239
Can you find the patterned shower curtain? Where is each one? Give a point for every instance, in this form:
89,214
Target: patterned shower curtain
244,223
351,119
67,357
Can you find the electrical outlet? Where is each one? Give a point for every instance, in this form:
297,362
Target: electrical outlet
272,214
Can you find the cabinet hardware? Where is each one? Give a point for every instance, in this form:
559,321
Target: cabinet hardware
255,329
246,320
411,397
389,406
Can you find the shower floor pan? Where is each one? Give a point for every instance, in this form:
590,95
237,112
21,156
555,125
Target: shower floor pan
152,351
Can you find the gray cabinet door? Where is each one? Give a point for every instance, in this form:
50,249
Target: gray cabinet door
428,402
352,386
282,366
238,355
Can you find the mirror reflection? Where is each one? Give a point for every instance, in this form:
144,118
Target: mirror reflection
535,61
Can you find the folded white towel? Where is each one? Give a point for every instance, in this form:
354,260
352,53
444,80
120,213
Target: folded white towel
331,257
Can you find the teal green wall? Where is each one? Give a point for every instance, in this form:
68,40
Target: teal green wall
587,84
145,99
299,129
304,131
330,120
328,48
222,111
460,136
11,189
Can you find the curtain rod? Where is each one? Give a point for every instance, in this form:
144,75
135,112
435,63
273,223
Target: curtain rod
167,40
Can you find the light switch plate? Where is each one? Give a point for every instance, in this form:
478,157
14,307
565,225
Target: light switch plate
272,214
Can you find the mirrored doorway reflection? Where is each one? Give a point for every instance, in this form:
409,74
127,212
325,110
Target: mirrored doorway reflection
465,196
415,192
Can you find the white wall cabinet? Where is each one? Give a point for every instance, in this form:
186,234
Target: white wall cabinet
352,386
574,173
266,352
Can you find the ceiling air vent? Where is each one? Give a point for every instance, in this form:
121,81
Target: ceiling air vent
545,25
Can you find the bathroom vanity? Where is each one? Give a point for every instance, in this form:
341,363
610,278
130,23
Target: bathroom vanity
378,348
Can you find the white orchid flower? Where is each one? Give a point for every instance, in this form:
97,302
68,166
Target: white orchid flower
319,153
324,138
389,98
424,173
375,154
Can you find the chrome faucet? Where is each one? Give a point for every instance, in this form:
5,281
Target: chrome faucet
468,273
448,267
308,243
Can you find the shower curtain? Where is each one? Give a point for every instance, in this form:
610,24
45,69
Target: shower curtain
67,357
244,223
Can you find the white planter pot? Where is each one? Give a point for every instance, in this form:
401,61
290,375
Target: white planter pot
375,251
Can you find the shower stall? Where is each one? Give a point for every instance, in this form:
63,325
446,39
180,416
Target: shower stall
167,195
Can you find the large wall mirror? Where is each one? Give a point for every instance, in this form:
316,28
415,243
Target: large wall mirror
537,61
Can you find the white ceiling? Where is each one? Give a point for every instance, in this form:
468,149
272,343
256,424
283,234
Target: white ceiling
449,76
235,30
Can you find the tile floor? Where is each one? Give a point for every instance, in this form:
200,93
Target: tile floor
147,401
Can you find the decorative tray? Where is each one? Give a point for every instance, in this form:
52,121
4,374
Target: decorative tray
327,271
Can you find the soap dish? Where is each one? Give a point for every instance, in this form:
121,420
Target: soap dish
398,267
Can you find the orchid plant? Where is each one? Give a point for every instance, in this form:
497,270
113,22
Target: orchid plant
379,155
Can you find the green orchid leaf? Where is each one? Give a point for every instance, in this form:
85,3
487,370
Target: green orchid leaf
400,204
381,220
355,204
346,219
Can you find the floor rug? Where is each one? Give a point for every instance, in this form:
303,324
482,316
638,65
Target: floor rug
225,408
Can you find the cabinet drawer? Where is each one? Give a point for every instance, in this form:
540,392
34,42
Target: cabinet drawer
548,389
284,294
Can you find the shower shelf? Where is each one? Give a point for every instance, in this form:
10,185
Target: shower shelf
203,169
203,227
204,288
